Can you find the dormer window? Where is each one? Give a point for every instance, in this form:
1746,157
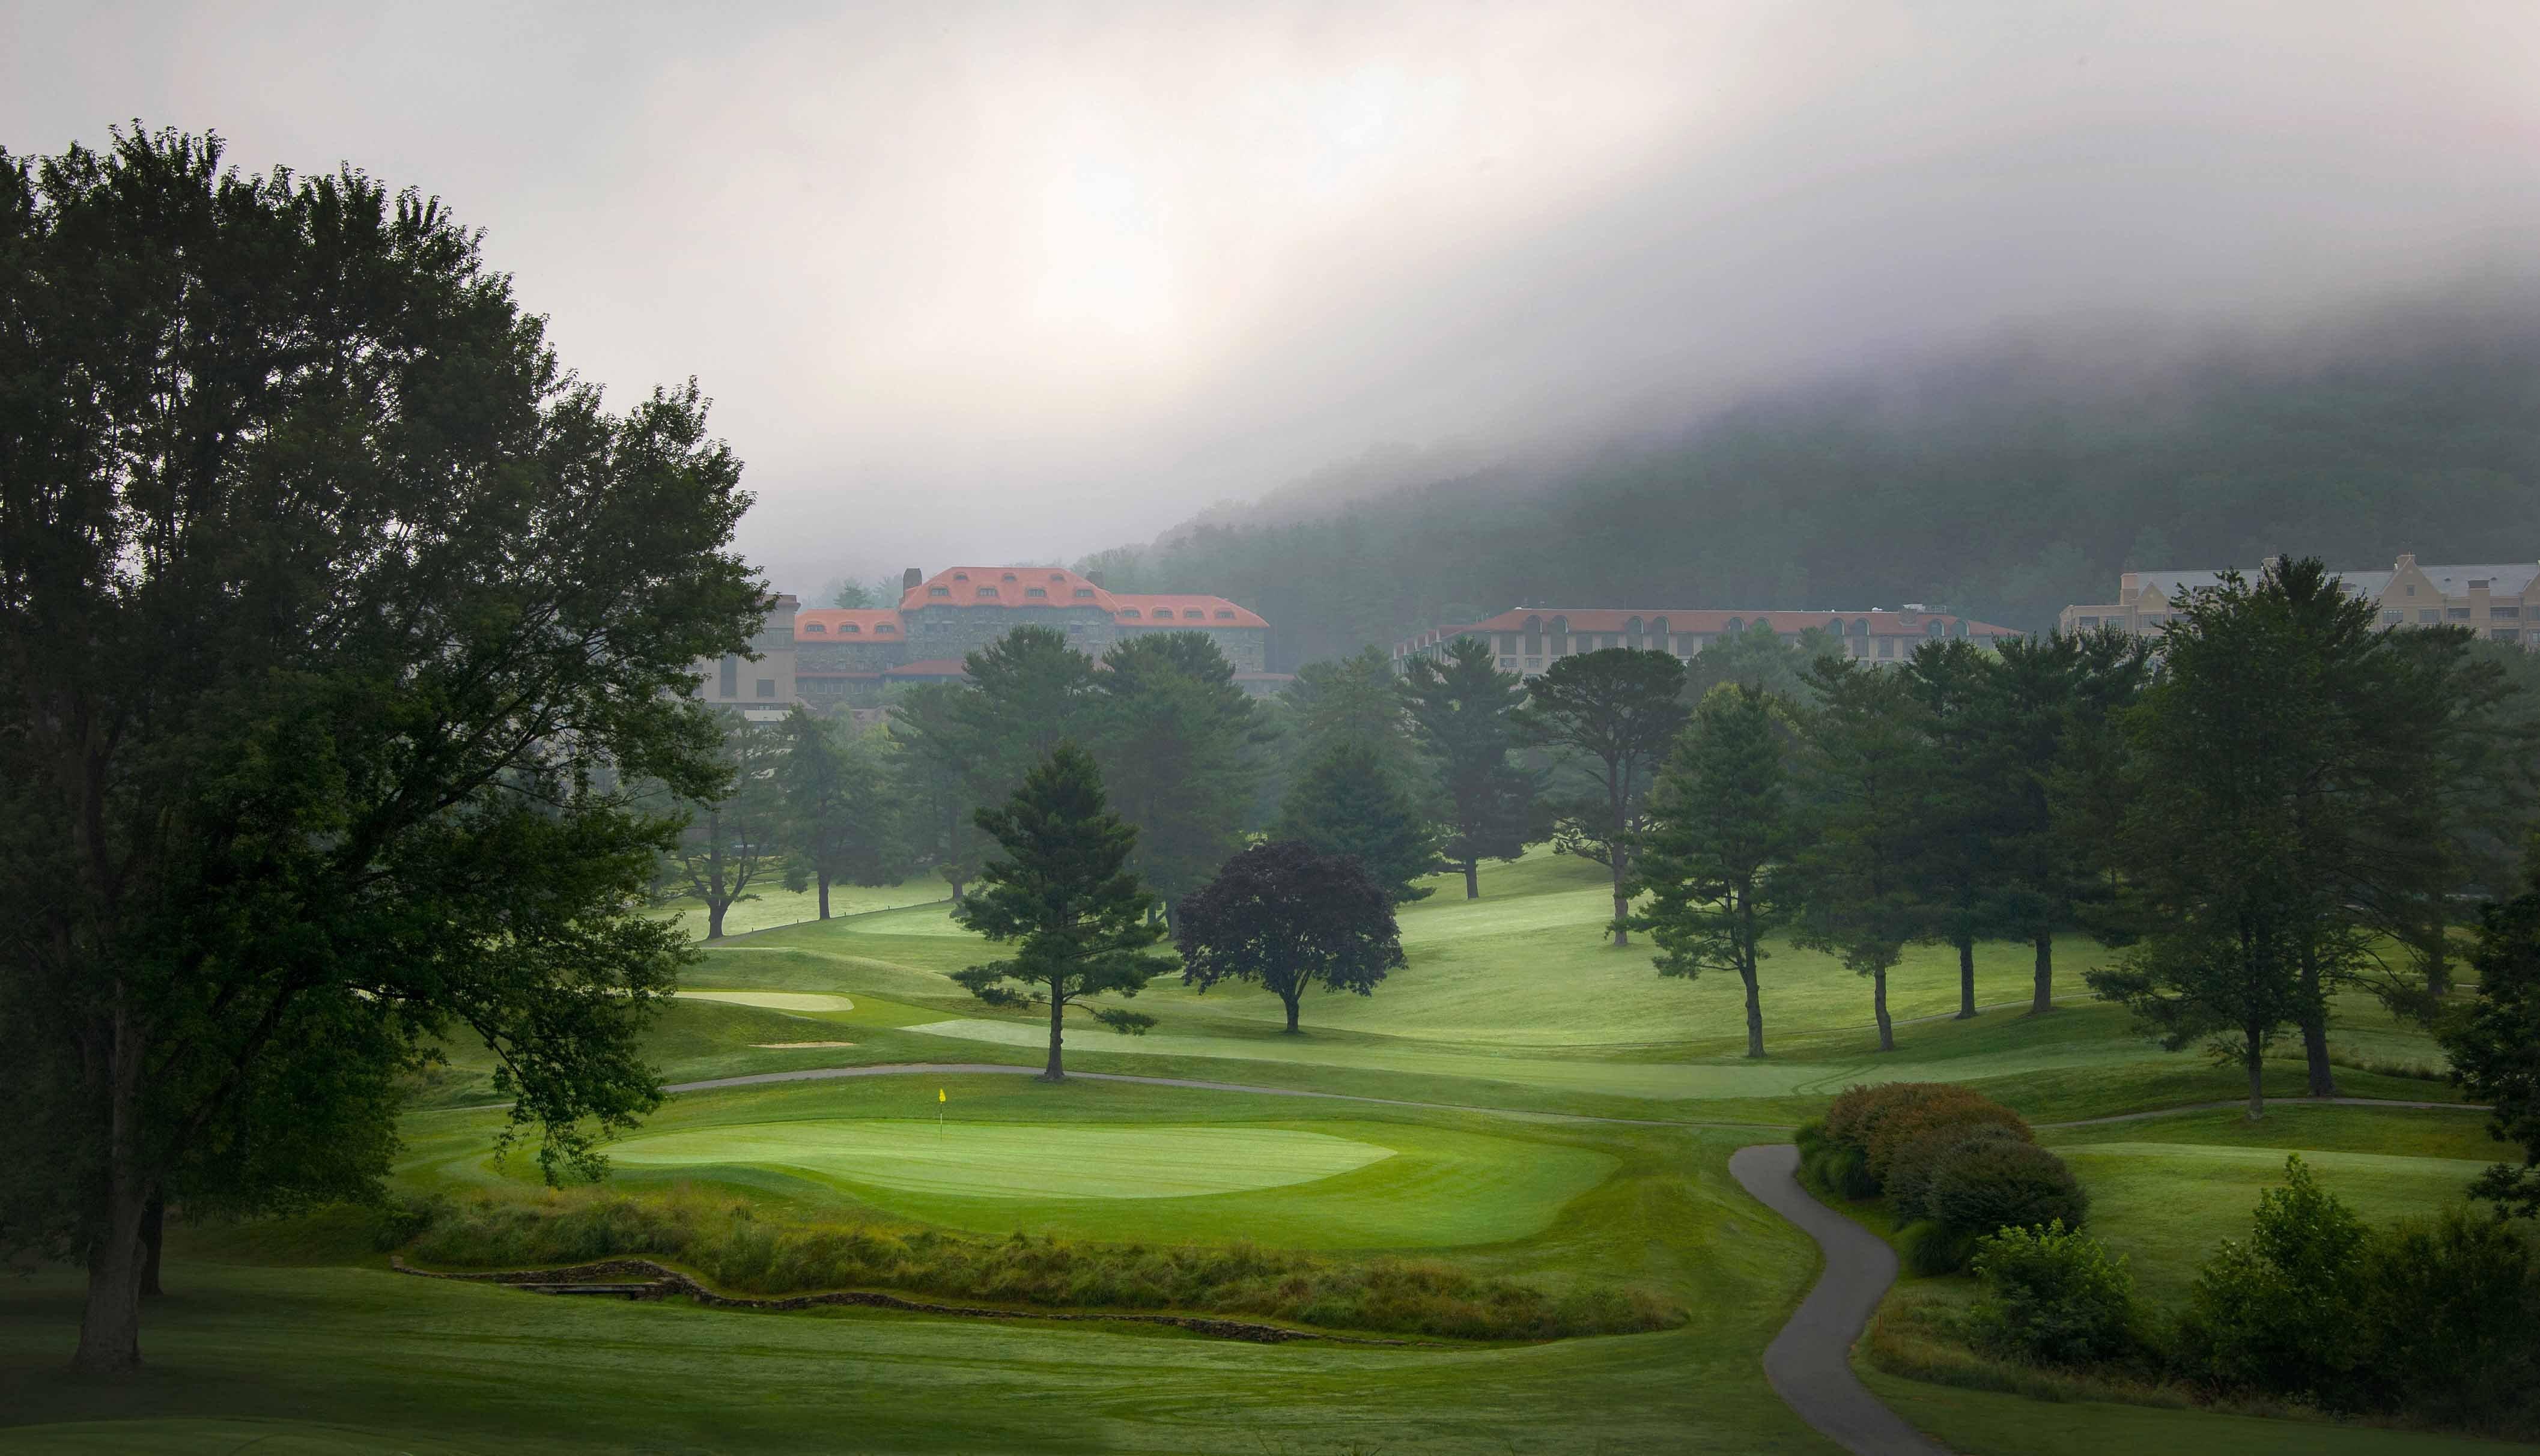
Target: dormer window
1084,594
960,576
1058,575
938,590
986,592
845,627
1194,612
817,630
1009,575
1225,616
1035,592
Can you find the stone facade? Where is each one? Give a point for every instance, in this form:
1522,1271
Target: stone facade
2498,602
765,683
1528,640
841,654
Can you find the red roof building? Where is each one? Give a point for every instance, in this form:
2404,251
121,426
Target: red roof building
1528,640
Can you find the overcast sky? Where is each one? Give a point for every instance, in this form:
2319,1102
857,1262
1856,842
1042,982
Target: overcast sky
1022,281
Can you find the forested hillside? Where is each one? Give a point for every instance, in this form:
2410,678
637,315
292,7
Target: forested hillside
2005,484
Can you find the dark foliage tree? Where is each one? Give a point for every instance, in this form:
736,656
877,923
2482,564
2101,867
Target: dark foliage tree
1289,918
1865,778
931,763
1348,804
2493,1045
733,841
841,816
1464,716
334,619
1180,747
1720,829
1613,713
1764,660
1064,897
1952,865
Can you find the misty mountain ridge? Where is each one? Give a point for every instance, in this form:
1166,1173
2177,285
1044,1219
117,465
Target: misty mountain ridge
2006,480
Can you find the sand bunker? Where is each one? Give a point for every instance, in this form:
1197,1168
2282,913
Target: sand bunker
775,1001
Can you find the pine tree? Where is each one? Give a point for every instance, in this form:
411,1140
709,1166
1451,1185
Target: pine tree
1463,713
1063,895
2493,1045
1348,804
1865,778
1614,711
1180,747
1952,864
1719,828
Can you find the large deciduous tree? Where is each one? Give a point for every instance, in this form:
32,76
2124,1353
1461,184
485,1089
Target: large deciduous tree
734,837
337,620
1289,918
1064,897
1719,830
1614,713
1463,714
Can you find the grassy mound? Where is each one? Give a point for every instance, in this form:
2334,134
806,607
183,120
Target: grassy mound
729,1244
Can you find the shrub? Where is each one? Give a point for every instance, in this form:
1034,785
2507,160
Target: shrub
1928,1247
2281,1312
1988,1184
1841,1171
2452,1307
2052,1296
1855,1115
1944,1109
1909,1177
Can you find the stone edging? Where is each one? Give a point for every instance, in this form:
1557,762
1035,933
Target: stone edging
672,1281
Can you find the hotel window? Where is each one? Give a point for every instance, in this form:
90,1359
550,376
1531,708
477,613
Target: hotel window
1508,664
728,681
814,628
767,688
986,592
1084,594
2428,614
1534,664
2393,617
1887,647
2505,613
2505,634
1225,616
938,590
2457,613
1035,592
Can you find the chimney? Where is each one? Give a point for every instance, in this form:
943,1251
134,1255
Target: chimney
910,579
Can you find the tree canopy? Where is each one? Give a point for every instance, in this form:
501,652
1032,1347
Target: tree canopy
337,622
1348,804
1611,714
1464,716
1289,919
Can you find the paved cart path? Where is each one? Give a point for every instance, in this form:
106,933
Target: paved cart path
1809,1364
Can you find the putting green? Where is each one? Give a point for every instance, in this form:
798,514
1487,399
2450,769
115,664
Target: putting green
776,1001
1016,1160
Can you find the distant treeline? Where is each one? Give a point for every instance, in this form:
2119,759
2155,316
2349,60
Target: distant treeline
2004,485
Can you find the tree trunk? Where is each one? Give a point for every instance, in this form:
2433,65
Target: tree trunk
1291,999
1966,977
153,1234
824,894
2314,1032
1057,1030
2257,1058
714,917
2044,1000
1755,1012
1622,903
109,1337
1472,879
1878,1003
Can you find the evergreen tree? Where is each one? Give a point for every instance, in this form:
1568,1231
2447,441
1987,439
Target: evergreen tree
1180,747
1463,713
2022,715
934,782
1952,862
1865,778
1720,829
1348,804
1025,694
1614,711
1759,657
841,816
735,839
1064,896
1355,702
2493,1045
1290,918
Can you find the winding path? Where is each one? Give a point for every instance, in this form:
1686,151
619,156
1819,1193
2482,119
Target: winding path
1809,1364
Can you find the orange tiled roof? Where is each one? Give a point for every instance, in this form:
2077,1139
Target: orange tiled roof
1879,623
832,624
1182,611
1004,586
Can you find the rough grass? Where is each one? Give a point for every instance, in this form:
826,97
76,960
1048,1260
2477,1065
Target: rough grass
729,1243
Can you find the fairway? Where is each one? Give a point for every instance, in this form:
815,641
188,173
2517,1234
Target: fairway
1008,1161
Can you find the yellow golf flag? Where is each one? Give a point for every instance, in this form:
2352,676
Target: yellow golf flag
938,1094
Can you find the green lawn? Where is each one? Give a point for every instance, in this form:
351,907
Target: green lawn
1511,1018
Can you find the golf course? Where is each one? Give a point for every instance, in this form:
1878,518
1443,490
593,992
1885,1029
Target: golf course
1521,1109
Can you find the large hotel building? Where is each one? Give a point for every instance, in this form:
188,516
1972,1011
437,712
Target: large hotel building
1528,640
822,657
2498,602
